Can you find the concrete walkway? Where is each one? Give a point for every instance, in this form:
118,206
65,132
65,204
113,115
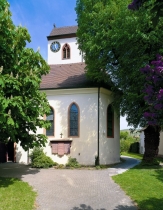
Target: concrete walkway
74,189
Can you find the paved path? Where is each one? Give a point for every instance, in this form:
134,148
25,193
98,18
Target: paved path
74,189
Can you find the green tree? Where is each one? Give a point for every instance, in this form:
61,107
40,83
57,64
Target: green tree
117,43
156,7
22,104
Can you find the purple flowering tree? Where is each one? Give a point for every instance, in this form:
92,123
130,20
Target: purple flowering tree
135,5
153,85
154,99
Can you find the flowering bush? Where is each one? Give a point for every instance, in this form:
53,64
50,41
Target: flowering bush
154,91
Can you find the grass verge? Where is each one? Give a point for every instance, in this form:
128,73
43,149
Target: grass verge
134,155
144,184
16,195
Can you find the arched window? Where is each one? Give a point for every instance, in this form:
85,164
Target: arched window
73,120
66,51
110,122
50,117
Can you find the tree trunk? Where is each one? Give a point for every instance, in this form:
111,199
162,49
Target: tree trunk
151,140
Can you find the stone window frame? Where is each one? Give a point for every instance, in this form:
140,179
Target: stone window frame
111,120
69,120
66,47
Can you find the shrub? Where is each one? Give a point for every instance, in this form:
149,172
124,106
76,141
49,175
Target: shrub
72,162
128,143
40,160
37,151
124,135
55,164
134,147
60,166
125,145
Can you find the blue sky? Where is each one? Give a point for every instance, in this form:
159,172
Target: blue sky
38,16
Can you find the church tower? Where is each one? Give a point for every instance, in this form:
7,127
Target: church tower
62,46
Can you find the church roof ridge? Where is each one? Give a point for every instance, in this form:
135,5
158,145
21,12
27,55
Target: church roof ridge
66,30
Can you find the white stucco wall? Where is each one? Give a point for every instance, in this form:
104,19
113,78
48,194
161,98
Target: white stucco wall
21,155
109,147
56,57
83,148
161,144
141,146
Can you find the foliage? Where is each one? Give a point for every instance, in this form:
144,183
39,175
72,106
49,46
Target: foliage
135,4
72,162
124,135
154,91
156,8
36,152
116,43
60,166
102,166
15,194
129,146
128,143
40,160
22,104
143,184
134,147
125,145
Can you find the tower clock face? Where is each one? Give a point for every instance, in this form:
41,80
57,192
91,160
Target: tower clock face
55,46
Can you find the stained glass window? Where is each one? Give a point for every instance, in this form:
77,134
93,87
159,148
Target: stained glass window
74,120
50,117
110,121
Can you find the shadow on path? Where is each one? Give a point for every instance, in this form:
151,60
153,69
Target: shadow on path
85,207
120,207
16,170
124,207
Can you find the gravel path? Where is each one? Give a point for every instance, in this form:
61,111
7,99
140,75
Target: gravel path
63,189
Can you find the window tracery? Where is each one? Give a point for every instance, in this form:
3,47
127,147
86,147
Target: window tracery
66,51
73,120
110,121
50,117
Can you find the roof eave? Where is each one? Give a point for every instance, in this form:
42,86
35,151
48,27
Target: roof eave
75,87
51,37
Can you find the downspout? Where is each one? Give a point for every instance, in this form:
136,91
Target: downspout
82,56
28,157
98,128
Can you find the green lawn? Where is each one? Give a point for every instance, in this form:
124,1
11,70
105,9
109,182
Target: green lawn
134,155
144,184
16,195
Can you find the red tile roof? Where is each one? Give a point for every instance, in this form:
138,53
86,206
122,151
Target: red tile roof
66,76
63,31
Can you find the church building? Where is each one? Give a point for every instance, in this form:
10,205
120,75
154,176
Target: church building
83,122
